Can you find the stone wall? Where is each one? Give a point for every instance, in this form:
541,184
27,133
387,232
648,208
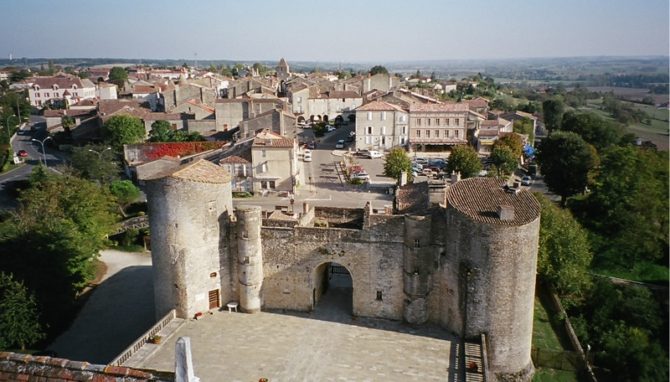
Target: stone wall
200,126
372,256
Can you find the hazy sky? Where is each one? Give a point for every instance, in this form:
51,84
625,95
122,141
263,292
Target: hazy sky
337,31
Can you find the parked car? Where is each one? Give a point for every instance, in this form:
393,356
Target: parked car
526,181
22,153
311,145
428,172
340,144
360,176
420,160
374,154
352,133
307,156
330,128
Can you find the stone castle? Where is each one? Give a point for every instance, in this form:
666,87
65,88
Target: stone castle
467,264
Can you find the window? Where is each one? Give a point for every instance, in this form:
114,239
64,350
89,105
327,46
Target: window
448,133
418,133
383,116
264,167
264,153
404,130
458,121
46,95
383,130
427,133
369,116
428,122
379,295
299,99
75,94
401,118
272,184
369,130
437,133
437,122
368,140
37,95
264,184
456,133
417,243
402,140
418,121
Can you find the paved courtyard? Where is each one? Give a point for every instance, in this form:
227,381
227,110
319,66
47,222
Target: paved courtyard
284,347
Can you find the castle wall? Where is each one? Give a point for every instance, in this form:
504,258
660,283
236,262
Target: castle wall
188,222
373,256
488,277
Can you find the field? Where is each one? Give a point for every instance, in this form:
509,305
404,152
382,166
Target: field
657,131
631,94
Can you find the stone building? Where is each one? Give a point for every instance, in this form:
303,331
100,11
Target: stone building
380,126
467,264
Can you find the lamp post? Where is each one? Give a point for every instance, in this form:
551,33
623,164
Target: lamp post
7,127
100,152
44,153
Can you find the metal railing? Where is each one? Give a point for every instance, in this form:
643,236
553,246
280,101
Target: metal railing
144,338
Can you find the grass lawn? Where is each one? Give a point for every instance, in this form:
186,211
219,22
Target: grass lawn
643,272
547,334
552,375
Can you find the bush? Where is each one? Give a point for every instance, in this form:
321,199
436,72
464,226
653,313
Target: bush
244,194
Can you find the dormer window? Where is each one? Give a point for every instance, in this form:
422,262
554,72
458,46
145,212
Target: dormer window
54,87
36,87
74,86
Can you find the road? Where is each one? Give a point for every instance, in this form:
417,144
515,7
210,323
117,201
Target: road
23,141
323,184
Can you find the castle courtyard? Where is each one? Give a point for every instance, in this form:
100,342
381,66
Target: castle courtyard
324,346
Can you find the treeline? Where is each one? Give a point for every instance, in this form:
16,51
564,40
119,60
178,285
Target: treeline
615,220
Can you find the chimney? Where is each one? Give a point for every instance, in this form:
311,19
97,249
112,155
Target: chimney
506,212
403,178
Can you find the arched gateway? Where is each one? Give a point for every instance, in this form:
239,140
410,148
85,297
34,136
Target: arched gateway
332,290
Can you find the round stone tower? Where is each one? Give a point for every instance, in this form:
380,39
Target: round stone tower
189,208
249,257
491,248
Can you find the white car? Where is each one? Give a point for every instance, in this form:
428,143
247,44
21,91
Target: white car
307,156
330,128
526,181
374,154
340,144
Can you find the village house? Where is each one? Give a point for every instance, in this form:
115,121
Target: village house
380,126
64,88
437,127
274,162
231,112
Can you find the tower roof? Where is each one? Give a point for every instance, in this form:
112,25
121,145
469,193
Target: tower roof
201,170
482,198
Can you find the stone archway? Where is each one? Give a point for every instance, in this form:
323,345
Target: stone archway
325,118
301,119
333,290
352,118
339,120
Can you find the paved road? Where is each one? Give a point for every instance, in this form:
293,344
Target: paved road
118,311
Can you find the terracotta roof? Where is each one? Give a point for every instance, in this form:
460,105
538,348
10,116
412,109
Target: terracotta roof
61,113
62,81
202,171
379,106
488,132
23,367
234,159
438,107
108,106
489,122
479,102
267,138
412,198
480,198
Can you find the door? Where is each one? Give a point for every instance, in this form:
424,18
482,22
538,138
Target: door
214,302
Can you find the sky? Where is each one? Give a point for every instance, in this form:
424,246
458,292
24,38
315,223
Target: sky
333,31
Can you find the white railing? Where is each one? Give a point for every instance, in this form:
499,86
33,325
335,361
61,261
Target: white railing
144,338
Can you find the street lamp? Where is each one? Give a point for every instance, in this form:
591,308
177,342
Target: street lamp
44,153
7,126
100,152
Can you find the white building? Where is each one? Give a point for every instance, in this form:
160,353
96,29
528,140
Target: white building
104,90
381,126
62,87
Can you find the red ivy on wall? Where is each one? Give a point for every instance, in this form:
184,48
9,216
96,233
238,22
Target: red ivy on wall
155,151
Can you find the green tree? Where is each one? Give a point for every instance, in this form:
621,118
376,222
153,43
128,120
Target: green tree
122,130
566,161
19,317
94,162
564,253
512,141
118,76
125,192
504,161
592,128
553,110
525,126
464,159
19,75
53,238
15,103
628,207
396,162
161,131
378,69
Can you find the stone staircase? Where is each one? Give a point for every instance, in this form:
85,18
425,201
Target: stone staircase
473,356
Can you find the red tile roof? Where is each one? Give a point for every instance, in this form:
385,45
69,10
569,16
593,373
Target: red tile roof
439,107
267,138
234,159
379,106
62,81
23,367
480,198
